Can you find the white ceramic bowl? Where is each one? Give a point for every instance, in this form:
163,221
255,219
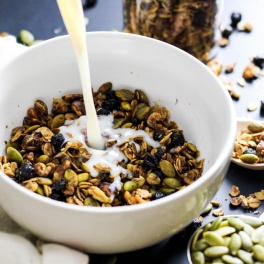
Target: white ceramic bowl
195,98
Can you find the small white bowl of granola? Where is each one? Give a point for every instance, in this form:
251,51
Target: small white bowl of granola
165,178
249,144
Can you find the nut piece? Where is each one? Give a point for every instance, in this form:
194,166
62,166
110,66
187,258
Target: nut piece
218,212
234,191
215,66
215,203
250,72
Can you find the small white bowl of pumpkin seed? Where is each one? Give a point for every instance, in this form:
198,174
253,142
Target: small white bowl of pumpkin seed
233,239
248,149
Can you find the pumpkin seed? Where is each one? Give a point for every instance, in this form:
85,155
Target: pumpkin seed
89,201
226,230
58,121
253,221
31,128
130,186
141,97
201,245
246,241
256,127
26,37
195,238
124,95
43,158
142,111
257,234
249,158
167,168
126,106
236,223
258,252
198,257
231,260
245,256
248,229
216,223
207,209
172,183
83,177
227,240
213,238
14,155
235,243
216,251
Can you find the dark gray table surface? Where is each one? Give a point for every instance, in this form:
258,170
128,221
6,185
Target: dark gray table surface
42,18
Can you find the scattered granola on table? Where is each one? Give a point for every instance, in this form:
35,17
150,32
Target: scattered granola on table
146,156
252,201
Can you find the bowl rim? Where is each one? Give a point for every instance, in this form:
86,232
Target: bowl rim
197,184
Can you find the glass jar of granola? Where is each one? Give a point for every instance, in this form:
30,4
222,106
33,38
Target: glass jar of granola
187,24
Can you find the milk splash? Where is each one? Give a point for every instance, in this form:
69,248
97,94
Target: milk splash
111,156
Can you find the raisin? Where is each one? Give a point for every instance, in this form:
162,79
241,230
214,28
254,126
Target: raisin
111,104
60,185
135,121
88,3
262,107
151,160
25,172
177,139
57,141
258,61
110,94
159,173
157,195
226,32
158,134
235,19
103,111
159,154
250,151
58,196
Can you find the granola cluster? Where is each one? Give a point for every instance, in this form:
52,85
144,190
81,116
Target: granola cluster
39,158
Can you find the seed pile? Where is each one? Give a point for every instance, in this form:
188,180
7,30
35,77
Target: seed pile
188,24
39,159
249,144
235,239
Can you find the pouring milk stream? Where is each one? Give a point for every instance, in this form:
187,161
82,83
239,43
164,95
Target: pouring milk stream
73,17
